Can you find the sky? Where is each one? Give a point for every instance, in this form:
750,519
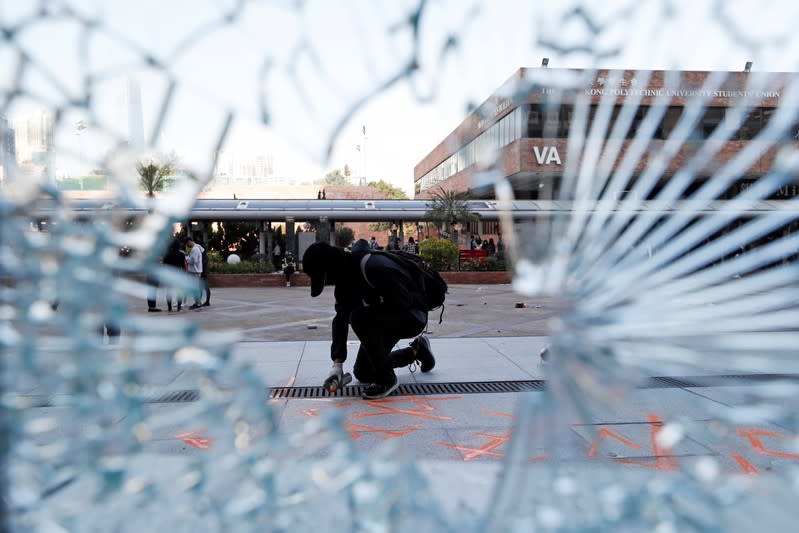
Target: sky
322,72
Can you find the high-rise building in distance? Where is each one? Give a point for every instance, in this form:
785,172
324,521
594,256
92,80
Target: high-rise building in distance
7,150
33,138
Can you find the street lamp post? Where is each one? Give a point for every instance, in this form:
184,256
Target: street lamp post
80,126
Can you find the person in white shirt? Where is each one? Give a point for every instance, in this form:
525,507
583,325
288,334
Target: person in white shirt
194,263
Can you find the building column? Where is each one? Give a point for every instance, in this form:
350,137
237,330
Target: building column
198,229
261,225
323,230
401,227
291,245
270,241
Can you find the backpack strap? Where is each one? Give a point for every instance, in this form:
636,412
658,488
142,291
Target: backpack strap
364,259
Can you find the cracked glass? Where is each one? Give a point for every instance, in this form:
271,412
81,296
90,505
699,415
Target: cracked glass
691,277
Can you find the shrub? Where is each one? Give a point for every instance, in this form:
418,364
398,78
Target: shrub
496,264
484,264
245,267
440,254
475,265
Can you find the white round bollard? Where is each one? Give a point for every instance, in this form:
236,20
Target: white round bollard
233,259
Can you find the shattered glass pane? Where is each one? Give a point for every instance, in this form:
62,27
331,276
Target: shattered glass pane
680,279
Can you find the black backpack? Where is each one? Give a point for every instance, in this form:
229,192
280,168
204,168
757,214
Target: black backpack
432,285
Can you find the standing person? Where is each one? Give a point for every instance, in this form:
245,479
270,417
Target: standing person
373,243
500,247
204,276
412,247
175,257
152,294
492,249
276,256
381,301
194,262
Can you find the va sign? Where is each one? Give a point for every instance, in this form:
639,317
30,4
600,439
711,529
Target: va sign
547,155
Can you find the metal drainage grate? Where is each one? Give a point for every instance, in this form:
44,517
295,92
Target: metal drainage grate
414,389
726,380
180,396
419,389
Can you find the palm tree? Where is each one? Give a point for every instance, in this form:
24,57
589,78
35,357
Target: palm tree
152,175
448,209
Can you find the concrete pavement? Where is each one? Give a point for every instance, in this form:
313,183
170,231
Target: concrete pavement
489,334
456,421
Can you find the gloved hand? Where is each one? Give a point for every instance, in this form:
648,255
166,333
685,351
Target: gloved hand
335,378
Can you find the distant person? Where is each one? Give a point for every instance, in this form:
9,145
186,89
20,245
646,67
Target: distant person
412,247
194,262
500,247
484,246
492,249
289,267
472,244
373,243
381,301
204,276
175,257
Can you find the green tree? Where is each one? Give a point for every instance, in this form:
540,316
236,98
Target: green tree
450,208
153,175
335,177
389,190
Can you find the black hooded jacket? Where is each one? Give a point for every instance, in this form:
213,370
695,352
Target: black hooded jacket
389,285
174,256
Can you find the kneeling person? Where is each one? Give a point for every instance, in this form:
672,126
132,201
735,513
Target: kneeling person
382,303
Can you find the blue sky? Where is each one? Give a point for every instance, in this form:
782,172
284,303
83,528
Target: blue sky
329,56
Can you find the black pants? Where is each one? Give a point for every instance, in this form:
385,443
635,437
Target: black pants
173,294
206,287
152,292
379,329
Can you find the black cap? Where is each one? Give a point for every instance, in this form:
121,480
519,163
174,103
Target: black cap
314,262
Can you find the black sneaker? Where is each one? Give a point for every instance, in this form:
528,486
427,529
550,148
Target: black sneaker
195,306
423,353
153,310
206,304
377,390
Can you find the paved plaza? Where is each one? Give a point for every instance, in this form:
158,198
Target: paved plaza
489,334
455,421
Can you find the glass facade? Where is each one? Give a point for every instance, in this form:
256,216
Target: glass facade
555,123
481,149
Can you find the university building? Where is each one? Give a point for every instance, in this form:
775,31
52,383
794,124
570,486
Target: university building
522,131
